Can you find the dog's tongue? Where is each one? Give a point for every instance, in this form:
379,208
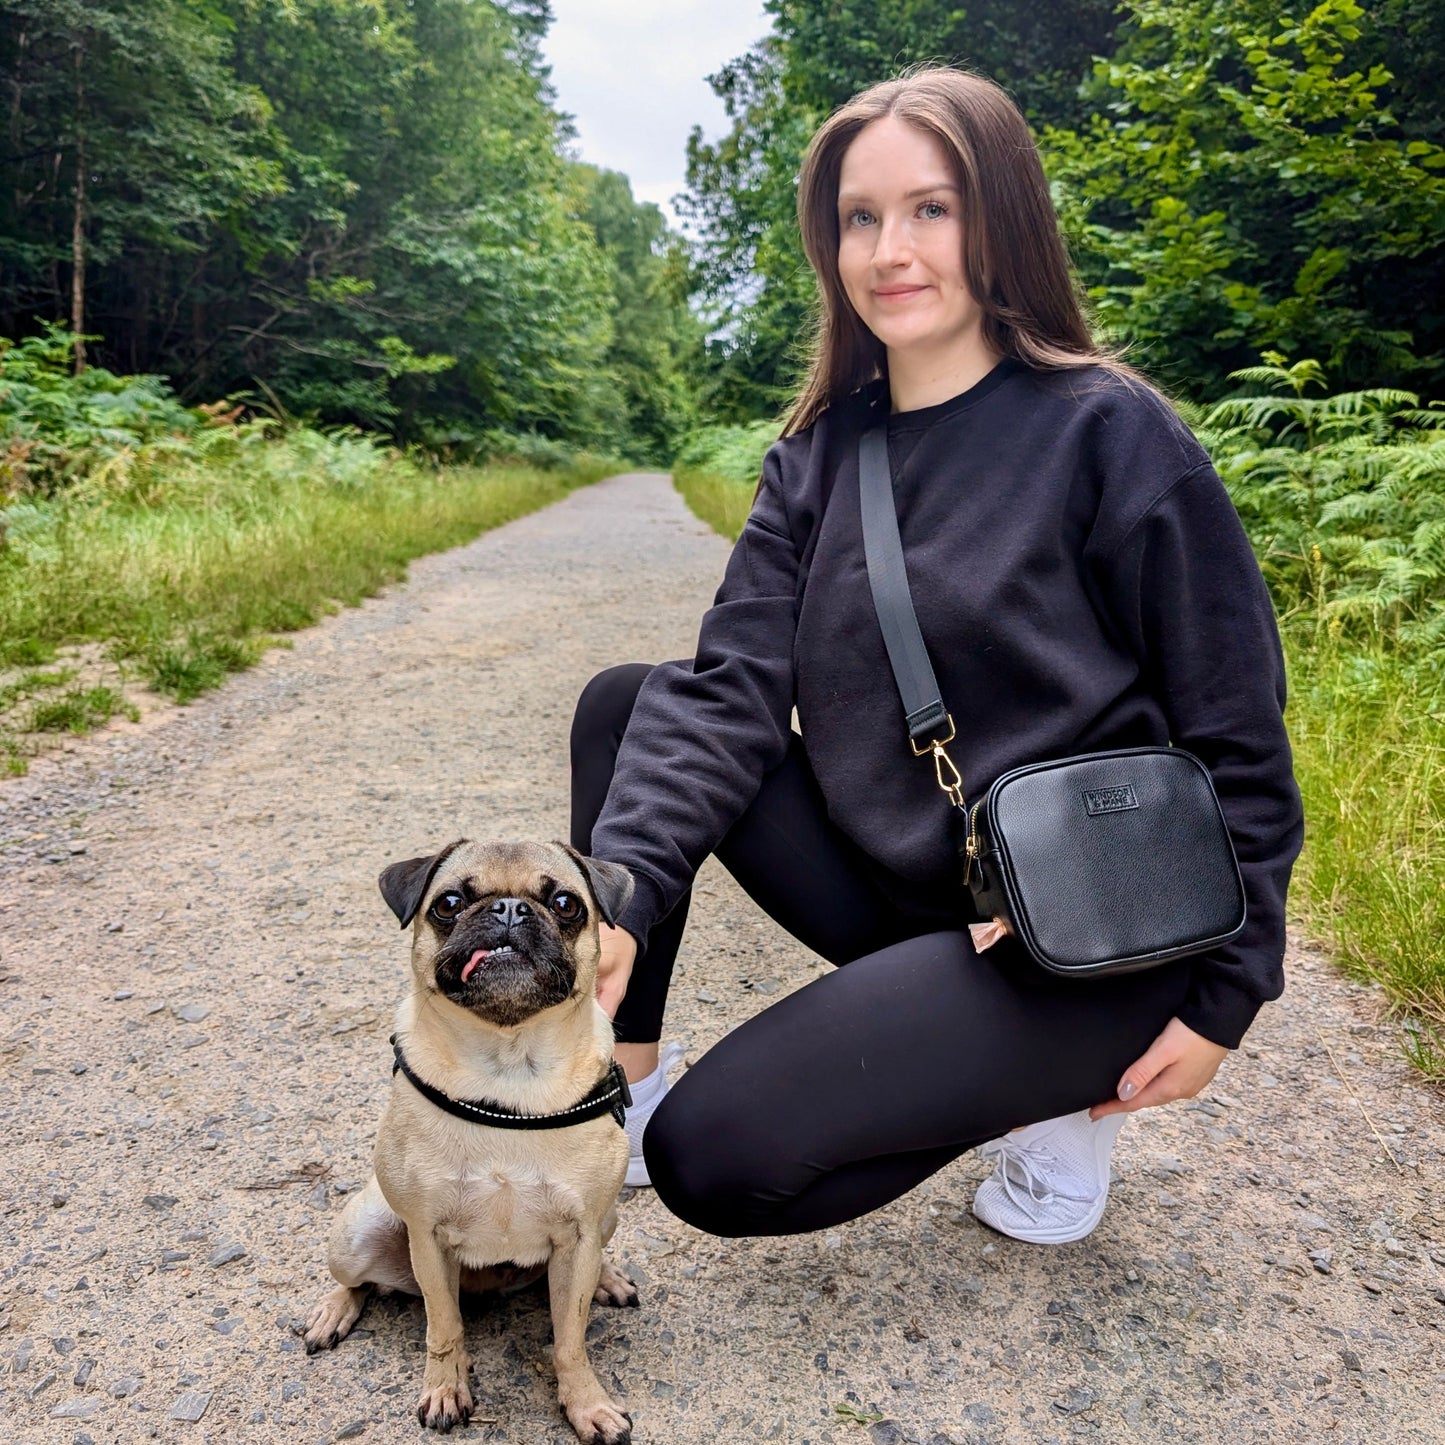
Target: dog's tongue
471,965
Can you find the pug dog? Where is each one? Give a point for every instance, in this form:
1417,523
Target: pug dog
501,1020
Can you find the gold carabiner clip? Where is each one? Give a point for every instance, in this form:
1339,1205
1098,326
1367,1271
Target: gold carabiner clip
949,778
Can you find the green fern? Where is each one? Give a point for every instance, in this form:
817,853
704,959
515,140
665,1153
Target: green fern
58,427
1344,497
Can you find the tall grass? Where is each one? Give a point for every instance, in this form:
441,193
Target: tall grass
1369,738
184,562
717,472
721,503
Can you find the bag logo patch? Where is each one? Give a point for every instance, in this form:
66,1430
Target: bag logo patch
1110,800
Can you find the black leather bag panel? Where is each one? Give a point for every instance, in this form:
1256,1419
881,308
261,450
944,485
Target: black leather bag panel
1108,862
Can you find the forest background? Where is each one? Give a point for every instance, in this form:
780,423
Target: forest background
292,291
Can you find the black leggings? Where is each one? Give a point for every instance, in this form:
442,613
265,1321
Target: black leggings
844,1095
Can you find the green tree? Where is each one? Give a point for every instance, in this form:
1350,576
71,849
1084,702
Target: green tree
752,278
1243,186
364,205
126,130
750,275
1039,53
655,336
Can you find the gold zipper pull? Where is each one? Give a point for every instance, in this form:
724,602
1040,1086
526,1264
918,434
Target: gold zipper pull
970,845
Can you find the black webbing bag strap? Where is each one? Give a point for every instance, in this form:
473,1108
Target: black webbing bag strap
929,725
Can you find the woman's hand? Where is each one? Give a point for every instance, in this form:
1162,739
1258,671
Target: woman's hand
619,953
1178,1065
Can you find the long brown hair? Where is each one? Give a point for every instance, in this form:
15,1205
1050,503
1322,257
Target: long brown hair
1014,259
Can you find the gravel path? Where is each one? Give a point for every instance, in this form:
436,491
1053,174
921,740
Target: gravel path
197,977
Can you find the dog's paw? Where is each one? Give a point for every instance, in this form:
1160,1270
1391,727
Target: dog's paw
331,1320
600,1423
447,1403
614,1287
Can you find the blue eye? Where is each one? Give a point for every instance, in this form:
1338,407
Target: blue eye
933,210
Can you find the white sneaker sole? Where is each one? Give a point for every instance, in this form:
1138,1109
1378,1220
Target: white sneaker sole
1071,1230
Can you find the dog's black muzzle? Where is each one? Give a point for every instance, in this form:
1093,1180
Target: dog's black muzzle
505,961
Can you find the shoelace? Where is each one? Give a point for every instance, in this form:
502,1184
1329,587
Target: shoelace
1029,1173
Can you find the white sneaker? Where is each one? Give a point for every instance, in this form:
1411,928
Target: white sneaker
1052,1178
647,1095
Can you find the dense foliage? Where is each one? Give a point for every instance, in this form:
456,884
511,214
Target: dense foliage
1344,496
1232,180
367,208
1241,185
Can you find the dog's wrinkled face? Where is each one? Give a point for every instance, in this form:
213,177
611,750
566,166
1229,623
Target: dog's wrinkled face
505,930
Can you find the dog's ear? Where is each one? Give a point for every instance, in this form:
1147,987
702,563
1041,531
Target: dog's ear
611,883
404,884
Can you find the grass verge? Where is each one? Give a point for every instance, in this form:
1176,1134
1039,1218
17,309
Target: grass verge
721,503
1369,739
186,567
1369,742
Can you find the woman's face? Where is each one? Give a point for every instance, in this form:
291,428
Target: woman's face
900,244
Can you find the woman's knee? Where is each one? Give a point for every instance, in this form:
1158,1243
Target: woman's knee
706,1171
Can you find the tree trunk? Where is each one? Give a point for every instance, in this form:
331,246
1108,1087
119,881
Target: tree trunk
7,322
77,234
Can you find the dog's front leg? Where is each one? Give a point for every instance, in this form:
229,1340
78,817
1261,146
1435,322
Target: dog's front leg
572,1275
446,1397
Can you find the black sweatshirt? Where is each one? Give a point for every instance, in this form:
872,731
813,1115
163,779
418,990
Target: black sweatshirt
1082,582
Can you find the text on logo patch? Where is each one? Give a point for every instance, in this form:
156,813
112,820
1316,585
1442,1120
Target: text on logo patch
1110,800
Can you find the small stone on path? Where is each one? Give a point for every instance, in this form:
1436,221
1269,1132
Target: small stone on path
1076,1402
80,1407
191,1406
225,1254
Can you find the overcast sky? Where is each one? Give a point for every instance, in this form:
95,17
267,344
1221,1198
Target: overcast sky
630,72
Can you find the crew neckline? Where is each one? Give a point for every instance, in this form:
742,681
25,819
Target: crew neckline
920,418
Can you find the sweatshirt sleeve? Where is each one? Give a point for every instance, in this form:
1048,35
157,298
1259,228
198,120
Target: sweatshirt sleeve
1190,595
704,731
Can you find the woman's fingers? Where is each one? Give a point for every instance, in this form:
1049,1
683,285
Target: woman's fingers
610,992
614,967
1161,1088
1177,1065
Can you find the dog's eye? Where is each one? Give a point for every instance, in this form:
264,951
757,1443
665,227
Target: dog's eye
447,907
566,906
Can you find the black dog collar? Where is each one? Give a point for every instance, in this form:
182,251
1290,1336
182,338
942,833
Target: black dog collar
609,1096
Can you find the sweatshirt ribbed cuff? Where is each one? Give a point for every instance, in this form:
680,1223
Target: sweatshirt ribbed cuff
1218,1011
643,909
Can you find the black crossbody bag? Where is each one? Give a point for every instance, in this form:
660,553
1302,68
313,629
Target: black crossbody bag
1104,863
